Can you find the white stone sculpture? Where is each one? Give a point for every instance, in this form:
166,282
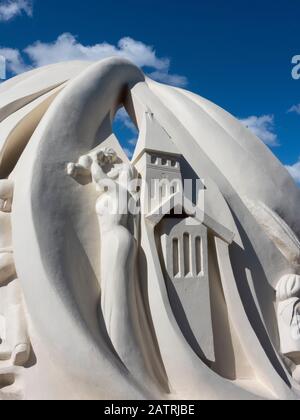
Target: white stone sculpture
288,309
176,285
14,341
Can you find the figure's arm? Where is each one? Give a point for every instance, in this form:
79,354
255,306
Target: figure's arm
89,166
74,170
80,169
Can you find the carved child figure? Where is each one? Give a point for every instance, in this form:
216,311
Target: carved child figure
14,342
288,313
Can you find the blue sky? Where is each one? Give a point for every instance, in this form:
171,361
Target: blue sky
236,53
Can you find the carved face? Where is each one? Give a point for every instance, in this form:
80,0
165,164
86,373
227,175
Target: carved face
101,157
295,323
111,156
289,326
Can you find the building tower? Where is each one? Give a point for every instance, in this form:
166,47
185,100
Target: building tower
181,240
157,159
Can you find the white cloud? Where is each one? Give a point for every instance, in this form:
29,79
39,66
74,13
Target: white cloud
295,108
294,170
131,144
129,152
9,9
133,141
14,60
124,118
170,79
263,127
66,48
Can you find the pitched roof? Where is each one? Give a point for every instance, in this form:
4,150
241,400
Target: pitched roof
153,137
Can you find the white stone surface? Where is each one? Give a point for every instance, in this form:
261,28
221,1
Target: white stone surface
98,304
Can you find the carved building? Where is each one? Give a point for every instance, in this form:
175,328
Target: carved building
194,297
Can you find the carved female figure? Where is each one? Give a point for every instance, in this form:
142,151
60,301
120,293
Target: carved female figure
118,251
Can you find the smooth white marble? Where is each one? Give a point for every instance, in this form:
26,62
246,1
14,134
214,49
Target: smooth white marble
192,294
